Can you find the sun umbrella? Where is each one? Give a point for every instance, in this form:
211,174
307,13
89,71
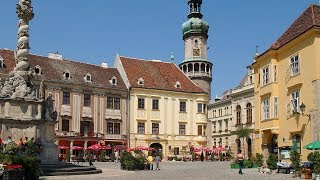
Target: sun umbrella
94,147
313,146
63,147
141,148
218,149
77,148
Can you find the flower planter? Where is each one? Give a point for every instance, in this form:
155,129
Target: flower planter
13,174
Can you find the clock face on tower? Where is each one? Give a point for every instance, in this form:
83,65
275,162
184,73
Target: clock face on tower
196,52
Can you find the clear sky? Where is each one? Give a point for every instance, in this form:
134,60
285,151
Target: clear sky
94,31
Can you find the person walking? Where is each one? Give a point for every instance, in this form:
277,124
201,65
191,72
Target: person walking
116,154
240,161
150,162
157,160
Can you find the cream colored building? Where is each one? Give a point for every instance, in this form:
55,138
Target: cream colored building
167,110
287,76
227,114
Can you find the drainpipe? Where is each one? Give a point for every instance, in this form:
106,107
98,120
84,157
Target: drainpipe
128,118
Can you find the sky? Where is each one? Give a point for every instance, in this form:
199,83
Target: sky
94,31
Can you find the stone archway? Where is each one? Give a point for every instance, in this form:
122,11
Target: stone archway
157,146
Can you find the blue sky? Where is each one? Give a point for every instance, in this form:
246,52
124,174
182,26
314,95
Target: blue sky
94,31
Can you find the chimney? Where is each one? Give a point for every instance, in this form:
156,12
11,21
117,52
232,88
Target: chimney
55,55
104,64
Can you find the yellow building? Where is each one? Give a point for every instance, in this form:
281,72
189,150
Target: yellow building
287,76
167,110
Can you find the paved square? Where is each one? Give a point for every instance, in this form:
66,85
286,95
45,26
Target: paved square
177,171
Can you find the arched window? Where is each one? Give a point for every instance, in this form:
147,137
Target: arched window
190,67
238,114
220,141
203,67
196,67
297,139
184,69
207,68
249,113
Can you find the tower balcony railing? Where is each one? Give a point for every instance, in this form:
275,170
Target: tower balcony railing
199,73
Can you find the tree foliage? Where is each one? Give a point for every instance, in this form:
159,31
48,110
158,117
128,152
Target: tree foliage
242,132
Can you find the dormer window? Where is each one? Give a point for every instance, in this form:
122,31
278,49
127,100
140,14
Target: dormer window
37,70
88,78
1,62
140,81
67,75
178,84
113,81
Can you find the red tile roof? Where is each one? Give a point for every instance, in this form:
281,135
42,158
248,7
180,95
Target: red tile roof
309,18
53,70
157,75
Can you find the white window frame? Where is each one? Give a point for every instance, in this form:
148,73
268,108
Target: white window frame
266,109
295,65
275,107
265,75
295,101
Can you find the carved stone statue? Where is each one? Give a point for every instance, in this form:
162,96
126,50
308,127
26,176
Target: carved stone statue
41,90
50,113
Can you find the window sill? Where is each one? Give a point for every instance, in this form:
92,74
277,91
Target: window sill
294,75
155,110
183,112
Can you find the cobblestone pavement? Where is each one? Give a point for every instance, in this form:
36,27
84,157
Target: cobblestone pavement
177,171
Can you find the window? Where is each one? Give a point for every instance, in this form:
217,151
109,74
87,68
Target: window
238,114
65,125
66,98
155,104
109,128
227,142
204,108
251,80
182,129
214,126
37,70
113,80
113,103
113,128
86,100
141,128
294,65
266,109
204,130
275,113
67,75
214,113
116,128
155,128
199,107
227,125
140,103
178,84
275,71
1,62
140,81
297,139
265,76
116,103
220,126
249,113
182,106
200,130
295,96
176,151
87,78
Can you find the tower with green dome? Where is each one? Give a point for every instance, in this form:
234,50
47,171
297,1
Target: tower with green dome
195,35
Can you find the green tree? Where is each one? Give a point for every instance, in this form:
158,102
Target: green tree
242,133
272,162
296,160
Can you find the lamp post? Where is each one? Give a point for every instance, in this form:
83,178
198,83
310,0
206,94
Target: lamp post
135,142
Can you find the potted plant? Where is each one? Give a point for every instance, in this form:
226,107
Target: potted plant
272,163
296,161
314,157
259,161
306,173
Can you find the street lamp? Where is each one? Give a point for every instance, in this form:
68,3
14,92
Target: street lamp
135,142
302,108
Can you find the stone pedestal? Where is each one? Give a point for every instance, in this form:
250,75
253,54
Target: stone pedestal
21,118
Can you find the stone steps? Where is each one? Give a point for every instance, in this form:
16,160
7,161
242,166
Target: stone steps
63,169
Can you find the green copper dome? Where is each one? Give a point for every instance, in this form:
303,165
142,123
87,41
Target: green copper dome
195,26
